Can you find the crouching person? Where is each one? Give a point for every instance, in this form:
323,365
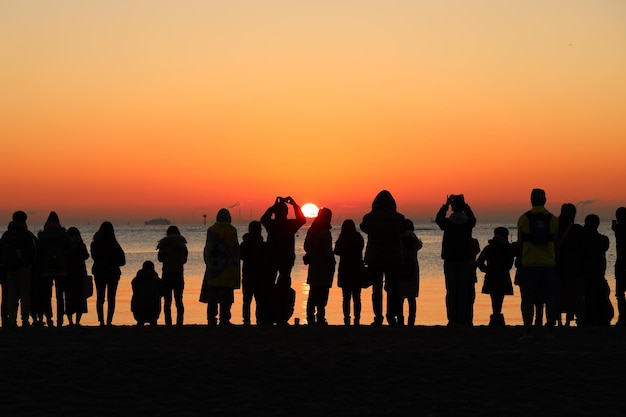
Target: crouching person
147,292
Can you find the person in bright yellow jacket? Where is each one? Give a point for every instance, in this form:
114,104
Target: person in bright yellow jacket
223,274
537,230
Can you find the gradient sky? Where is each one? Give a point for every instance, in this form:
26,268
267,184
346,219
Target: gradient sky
127,110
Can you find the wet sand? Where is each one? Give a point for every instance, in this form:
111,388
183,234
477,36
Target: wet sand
334,370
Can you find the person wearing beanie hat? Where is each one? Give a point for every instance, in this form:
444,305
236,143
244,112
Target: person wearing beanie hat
223,273
536,233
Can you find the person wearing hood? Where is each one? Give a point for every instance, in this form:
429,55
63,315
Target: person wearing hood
18,251
223,273
458,259
496,261
173,253
383,226
319,256
108,256
54,246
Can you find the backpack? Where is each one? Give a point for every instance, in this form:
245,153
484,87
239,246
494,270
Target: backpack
53,259
539,233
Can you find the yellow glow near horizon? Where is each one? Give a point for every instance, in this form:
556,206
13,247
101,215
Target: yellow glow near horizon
152,107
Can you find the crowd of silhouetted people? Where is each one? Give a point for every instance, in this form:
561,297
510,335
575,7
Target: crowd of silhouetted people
559,266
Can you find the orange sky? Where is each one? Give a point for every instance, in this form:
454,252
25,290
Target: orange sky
131,110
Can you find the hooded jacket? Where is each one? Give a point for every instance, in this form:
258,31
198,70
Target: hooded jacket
383,226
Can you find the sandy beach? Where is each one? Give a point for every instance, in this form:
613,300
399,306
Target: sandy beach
300,370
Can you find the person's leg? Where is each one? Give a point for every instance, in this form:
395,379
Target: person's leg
528,290
377,295
24,288
100,294
167,302
549,283
59,292
247,302
180,307
111,294
345,305
356,298
321,305
449,273
412,301
620,291
310,305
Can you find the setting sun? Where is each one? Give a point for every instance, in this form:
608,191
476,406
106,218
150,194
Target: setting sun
310,210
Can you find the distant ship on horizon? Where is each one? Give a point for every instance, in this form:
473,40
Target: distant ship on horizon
157,222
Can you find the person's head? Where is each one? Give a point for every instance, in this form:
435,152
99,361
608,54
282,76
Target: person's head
568,213
348,226
19,216
537,197
409,224
106,230
53,218
281,210
254,227
384,201
74,233
172,230
502,232
324,215
592,222
458,203
223,216
620,214
148,266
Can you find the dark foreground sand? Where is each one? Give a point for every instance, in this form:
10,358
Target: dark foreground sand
196,370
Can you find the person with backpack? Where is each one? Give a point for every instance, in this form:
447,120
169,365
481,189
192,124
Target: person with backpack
173,253
223,272
18,251
255,282
54,248
536,231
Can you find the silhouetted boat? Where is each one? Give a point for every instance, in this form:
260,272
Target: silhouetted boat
157,222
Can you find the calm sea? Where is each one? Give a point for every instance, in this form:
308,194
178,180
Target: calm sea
139,243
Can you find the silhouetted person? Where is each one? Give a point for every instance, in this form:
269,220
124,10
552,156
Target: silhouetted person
569,266
108,257
222,274
598,308
53,249
383,252
537,230
318,247
18,250
619,228
409,282
75,302
458,258
173,253
281,241
351,270
145,303
496,261
256,282
281,254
